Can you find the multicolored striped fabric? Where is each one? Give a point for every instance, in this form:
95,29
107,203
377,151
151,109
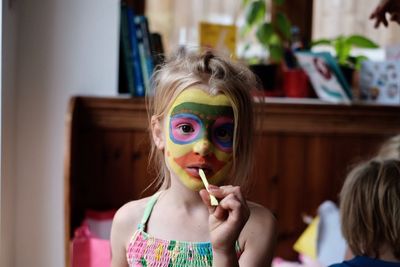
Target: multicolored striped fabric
146,250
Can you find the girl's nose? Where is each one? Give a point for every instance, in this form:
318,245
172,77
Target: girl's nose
202,147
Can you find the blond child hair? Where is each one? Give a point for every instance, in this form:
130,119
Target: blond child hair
390,148
219,74
370,208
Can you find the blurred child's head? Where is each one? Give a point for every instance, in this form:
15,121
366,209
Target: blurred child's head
370,208
205,79
390,149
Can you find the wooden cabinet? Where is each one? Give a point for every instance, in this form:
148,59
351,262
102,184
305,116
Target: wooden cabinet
303,152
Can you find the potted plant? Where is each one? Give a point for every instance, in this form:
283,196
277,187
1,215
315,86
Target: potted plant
343,46
273,35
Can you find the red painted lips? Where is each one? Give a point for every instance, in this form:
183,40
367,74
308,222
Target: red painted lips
192,162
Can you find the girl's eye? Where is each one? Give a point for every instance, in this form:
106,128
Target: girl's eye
186,128
224,134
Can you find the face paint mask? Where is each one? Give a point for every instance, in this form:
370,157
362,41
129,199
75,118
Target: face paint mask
199,135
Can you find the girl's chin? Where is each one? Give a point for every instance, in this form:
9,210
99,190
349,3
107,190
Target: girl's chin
193,184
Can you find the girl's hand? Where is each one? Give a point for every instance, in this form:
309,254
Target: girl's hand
227,220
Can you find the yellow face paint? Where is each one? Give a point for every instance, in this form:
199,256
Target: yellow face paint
199,131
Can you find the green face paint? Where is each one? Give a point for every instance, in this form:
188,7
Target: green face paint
200,135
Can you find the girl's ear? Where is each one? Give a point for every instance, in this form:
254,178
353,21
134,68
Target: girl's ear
157,132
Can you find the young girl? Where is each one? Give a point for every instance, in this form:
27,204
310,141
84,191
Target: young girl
370,212
201,118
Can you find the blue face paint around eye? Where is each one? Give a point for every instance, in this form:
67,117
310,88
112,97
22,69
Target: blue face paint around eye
222,136
185,128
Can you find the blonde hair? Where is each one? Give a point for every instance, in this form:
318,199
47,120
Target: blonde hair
370,207
390,148
220,75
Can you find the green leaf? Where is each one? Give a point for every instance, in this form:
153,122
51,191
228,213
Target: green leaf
321,42
344,54
342,48
275,40
264,33
276,53
279,2
255,12
284,26
253,60
359,60
361,41
245,30
245,2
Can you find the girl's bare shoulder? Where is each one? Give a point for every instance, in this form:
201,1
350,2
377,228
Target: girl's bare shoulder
123,227
260,215
258,237
129,215
261,225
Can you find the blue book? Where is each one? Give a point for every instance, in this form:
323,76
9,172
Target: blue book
126,53
145,49
142,55
137,69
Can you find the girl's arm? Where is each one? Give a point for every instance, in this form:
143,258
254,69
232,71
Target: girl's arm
233,220
260,233
118,238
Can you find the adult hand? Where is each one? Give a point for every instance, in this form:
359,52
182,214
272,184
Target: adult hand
386,6
227,220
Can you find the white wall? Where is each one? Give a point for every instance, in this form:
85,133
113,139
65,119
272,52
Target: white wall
7,240
64,47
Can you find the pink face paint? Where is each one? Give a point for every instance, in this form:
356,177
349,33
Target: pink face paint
199,131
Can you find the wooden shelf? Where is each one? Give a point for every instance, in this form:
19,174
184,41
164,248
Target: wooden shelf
303,151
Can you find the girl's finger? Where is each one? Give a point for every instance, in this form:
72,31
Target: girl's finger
220,213
223,191
205,197
231,201
238,211
229,206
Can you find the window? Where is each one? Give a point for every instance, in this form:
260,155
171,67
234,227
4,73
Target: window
177,20
343,17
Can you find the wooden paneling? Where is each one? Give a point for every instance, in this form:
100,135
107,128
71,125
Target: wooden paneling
267,168
303,152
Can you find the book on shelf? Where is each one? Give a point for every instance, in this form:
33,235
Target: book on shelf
380,82
126,74
137,67
146,59
325,76
139,52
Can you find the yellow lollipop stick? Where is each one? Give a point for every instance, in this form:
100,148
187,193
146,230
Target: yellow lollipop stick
213,200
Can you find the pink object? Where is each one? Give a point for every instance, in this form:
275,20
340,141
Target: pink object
89,251
90,246
304,262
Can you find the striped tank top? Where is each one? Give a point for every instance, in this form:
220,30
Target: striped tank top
146,250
